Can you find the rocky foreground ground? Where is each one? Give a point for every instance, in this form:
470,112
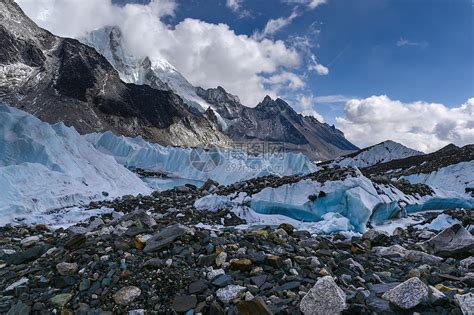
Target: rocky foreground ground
159,262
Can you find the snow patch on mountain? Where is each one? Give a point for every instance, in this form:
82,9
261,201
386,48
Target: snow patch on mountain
222,165
380,153
155,71
456,177
45,167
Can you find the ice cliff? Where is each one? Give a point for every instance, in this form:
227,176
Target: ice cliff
222,165
45,167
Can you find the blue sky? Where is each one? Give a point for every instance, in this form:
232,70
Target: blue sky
409,50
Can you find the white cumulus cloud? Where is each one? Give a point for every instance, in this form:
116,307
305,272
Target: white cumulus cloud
234,5
419,125
207,54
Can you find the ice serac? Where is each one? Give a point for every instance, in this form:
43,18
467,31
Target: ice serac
45,167
333,200
379,153
222,165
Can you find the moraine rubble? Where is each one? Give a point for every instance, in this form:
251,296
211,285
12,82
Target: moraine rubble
159,262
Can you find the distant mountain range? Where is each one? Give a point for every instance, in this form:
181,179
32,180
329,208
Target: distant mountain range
100,86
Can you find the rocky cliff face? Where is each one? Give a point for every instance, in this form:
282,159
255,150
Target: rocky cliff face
276,121
60,79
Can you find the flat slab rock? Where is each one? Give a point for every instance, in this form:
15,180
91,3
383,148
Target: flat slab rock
324,298
453,241
165,237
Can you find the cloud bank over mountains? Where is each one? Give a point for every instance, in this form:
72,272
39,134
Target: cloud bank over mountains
423,126
207,54
252,66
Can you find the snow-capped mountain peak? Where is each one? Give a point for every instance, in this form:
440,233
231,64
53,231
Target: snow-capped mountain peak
154,71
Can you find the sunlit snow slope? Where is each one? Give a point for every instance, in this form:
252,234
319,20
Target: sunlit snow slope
44,167
380,153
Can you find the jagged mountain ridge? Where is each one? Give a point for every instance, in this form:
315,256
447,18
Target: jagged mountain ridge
61,79
276,121
270,121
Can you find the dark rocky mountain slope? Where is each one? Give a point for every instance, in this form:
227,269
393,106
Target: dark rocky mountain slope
61,79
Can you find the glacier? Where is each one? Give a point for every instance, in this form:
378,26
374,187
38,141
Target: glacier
351,204
456,177
226,166
45,167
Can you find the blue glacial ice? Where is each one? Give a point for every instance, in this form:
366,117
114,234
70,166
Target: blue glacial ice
45,167
222,165
356,199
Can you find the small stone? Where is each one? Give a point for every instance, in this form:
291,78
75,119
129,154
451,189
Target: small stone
289,229
16,284
436,294
165,238
222,280
198,286
324,298
465,303
255,306
29,241
61,300
467,263
220,259
376,238
408,294
75,242
214,273
229,293
259,280
274,261
241,265
263,233
183,304
67,269
127,295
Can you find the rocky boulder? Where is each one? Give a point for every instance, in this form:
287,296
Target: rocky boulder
454,241
408,294
324,298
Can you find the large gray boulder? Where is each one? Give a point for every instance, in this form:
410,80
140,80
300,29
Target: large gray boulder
325,298
454,241
408,294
